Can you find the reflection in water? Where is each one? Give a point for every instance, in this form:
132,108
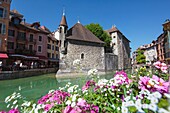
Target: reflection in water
19,88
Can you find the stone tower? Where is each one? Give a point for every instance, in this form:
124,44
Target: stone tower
62,36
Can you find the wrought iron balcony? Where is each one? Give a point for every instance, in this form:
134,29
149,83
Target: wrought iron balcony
25,51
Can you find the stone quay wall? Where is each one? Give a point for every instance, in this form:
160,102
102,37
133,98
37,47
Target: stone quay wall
5,75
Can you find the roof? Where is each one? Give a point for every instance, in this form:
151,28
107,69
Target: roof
113,29
16,13
63,21
79,32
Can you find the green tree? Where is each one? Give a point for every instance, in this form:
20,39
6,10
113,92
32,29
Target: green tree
140,58
98,31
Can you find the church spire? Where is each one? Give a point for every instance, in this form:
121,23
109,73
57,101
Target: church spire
63,20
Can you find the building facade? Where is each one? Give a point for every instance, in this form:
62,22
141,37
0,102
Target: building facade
4,21
166,29
121,47
28,43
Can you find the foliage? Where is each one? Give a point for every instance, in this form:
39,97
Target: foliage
140,58
98,31
121,94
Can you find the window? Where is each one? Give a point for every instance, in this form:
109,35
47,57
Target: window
31,37
56,48
53,47
48,46
16,21
53,42
40,38
21,35
31,47
10,45
114,36
2,28
20,46
82,56
56,56
49,55
39,49
53,56
11,32
48,40
1,12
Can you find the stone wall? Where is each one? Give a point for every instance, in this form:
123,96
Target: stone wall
111,62
4,75
93,54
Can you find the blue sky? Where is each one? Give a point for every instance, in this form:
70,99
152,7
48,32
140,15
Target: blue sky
139,20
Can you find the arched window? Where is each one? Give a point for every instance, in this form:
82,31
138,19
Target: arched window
82,56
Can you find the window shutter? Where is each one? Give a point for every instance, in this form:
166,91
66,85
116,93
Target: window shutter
3,29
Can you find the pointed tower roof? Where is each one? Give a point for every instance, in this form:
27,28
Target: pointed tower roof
113,29
63,21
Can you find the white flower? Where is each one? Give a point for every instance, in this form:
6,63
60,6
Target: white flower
153,107
8,105
154,100
167,95
15,102
74,97
73,104
130,103
7,99
145,106
68,102
138,104
113,106
161,110
16,106
124,110
118,108
157,95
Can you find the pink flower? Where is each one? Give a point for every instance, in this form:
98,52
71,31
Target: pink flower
3,112
161,66
88,84
153,84
48,107
13,111
69,109
157,64
162,86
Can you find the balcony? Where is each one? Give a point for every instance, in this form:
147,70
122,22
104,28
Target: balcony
25,52
21,39
32,41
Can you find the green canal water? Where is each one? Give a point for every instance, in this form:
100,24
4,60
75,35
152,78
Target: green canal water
35,87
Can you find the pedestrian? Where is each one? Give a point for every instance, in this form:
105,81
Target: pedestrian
0,66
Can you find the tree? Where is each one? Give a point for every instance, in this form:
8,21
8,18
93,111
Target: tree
98,31
140,58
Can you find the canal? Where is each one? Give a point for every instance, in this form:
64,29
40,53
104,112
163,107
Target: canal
34,87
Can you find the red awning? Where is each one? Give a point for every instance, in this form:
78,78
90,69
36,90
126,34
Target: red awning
3,55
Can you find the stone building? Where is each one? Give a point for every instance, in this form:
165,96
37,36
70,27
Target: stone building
121,47
79,43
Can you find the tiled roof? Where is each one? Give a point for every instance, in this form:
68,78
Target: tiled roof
79,32
113,29
16,13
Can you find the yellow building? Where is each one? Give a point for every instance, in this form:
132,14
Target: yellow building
52,51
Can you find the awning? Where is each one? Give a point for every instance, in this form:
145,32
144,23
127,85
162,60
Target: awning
31,57
3,55
17,55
